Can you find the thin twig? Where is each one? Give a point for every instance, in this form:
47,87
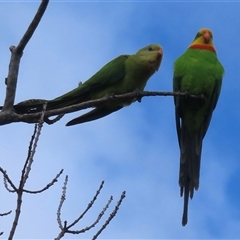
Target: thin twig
65,228
112,215
6,180
95,222
63,198
5,214
47,186
2,215
89,205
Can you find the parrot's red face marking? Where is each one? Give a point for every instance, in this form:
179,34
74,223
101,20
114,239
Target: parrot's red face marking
206,47
203,40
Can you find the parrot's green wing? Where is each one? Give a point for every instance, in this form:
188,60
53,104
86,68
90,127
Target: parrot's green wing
212,104
108,75
96,87
176,88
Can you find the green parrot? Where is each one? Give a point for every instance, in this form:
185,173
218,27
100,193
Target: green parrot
197,72
123,74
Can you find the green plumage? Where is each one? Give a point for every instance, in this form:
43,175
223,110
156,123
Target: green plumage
197,72
123,74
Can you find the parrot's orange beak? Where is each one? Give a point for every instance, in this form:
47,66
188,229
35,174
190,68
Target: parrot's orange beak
159,57
206,37
160,52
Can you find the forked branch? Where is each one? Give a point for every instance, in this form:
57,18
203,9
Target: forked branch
65,228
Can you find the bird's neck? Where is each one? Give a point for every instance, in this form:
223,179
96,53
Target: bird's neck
203,46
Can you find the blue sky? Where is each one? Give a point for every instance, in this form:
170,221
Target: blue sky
134,149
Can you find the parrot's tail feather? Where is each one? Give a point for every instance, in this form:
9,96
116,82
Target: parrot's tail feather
185,207
190,160
96,113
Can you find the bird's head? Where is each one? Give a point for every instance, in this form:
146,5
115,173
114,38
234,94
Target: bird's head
203,40
152,54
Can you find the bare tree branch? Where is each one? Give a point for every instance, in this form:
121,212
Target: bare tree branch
25,174
32,27
16,54
26,170
34,117
5,214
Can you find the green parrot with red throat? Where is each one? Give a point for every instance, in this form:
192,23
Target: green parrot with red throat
123,74
196,72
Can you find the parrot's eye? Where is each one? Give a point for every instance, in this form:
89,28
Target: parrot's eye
150,49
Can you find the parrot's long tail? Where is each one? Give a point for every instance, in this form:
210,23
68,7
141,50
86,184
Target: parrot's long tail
189,168
185,206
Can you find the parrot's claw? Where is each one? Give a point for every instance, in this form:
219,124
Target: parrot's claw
138,98
110,96
202,97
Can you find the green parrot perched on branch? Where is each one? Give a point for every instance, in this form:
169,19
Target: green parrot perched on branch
123,74
197,72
